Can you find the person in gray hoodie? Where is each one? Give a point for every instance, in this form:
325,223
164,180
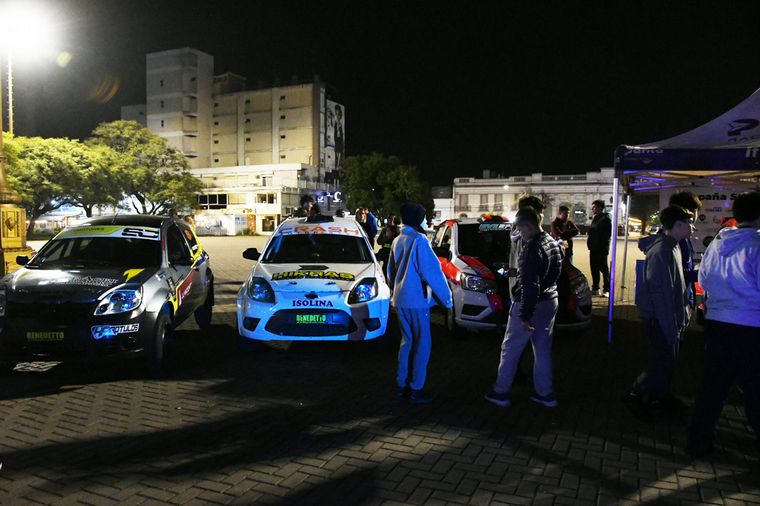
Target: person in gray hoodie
417,281
730,275
662,299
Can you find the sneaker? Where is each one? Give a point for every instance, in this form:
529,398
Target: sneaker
596,291
606,294
503,400
420,397
402,392
548,401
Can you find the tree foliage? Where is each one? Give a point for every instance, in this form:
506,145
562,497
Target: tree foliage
383,183
153,174
45,172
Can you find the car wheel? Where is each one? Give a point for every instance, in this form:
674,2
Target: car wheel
7,366
155,348
451,324
204,313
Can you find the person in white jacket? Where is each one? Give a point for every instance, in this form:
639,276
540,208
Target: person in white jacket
417,281
730,276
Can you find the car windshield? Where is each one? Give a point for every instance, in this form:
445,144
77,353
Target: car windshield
83,252
310,248
490,246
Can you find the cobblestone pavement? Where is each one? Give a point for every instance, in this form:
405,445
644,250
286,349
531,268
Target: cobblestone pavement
318,423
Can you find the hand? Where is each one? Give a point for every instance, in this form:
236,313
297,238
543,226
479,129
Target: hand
528,326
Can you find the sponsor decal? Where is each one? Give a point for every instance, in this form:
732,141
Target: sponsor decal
110,231
311,318
494,227
718,196
108,331
44,336
319,229
131,273
737,126
312,303
92,281
340,276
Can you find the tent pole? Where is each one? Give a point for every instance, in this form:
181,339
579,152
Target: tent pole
615,206
625,246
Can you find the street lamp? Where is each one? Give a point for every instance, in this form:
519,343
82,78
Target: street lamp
22,28
25,30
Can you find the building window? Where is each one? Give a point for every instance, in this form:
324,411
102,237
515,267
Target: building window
247,120
282,117
282,137
192,79
162,104
216,141
216,104
247,139
247,100
213,201
162,123
216,123
266,198
161,83
282,97
216,160
282,157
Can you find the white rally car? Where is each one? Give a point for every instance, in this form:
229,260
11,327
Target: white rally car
317,279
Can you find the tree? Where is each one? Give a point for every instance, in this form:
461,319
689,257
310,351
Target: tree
44,172
383,183
97,181
154,174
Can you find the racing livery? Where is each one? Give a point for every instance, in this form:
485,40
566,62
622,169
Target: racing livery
111,284
317,279
474,256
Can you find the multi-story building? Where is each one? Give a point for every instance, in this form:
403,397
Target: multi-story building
270,141
473,197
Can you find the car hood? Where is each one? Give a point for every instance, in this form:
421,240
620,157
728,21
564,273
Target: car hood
319,278
83,285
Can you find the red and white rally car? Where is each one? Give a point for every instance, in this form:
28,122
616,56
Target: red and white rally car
474,256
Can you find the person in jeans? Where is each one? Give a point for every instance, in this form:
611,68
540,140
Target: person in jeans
531,316
598,242
415,276
730,275
662,300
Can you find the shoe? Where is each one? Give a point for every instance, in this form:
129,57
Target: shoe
420,397
548,401
606,294
402,392
596,291
503,400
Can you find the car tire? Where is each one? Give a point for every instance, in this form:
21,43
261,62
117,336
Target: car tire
452,326
7,366
205,312
156,347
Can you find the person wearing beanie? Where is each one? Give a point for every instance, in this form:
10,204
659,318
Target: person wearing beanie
415,276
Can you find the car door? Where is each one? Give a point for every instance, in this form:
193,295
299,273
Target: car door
201,264
181,270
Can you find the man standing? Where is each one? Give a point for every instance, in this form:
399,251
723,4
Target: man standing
662,299
599,235
415,276
564,229
730,274
531,316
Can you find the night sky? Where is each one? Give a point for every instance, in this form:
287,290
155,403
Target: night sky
450,87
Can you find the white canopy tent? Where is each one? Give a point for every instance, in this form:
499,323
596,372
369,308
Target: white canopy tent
724,152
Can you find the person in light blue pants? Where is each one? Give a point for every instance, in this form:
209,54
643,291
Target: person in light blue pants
417,281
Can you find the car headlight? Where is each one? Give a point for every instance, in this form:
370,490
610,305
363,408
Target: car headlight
364,290
3,300
260,290
120,301
477,283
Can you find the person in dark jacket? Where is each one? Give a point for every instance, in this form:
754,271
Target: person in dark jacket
599,235
662,300
531,316
305,204
564,229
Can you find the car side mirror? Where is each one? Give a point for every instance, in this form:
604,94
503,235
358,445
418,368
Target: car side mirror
22,259
251,254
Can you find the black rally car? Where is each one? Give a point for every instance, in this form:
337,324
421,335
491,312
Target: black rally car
111,284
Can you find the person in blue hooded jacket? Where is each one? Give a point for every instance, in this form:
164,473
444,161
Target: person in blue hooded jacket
417,281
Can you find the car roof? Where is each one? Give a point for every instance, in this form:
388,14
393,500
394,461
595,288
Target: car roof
135,220
329,220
